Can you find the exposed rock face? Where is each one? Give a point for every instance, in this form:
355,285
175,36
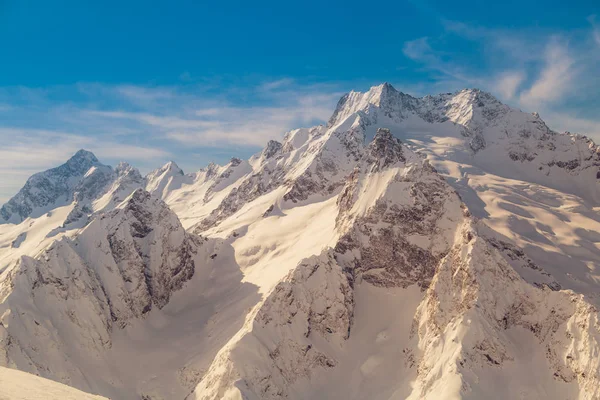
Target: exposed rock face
384,237
152,279
379,246
385,150
126,180
314,301
493,135
272,149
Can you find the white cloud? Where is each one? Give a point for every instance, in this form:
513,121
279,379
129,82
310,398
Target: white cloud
555,79
277,84
508,83
595,29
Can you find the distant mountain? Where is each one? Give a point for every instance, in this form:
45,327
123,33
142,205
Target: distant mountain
55,187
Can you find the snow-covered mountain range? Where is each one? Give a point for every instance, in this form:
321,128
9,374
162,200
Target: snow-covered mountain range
443,247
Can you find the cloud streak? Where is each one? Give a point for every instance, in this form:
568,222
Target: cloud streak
555,78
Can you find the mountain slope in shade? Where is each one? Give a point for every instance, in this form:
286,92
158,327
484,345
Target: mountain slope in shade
17,385
338,263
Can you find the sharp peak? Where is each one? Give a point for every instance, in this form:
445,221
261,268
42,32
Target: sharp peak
384,135
384,150
83,154
388,88
141,203
475,91
123,164
81,162
273,142
385,86
273,147
124,167
234,162
139,196
384,89
171,165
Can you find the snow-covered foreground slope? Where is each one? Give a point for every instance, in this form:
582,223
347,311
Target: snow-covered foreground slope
17,385
338,264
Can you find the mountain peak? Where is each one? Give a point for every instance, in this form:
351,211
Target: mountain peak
385,150
393,103
385,88
172,166
79,163
123,166
83,156
272,148
139,196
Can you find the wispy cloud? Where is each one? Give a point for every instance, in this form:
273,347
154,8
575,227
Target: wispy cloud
508,83
595,29
555,79
421,51
223,123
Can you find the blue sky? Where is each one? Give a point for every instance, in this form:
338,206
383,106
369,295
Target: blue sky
196,82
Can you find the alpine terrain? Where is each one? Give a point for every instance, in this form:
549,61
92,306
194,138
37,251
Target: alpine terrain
443,247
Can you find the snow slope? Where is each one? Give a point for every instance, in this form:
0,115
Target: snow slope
16,385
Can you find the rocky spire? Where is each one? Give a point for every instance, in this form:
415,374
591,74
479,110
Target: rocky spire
384,150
